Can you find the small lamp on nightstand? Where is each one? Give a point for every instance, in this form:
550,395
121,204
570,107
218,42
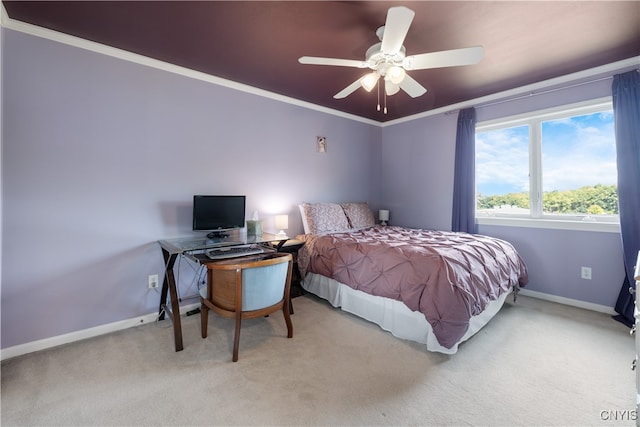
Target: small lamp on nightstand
282,223
383,215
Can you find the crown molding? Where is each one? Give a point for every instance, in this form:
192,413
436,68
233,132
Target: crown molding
56,36
529,90
12,24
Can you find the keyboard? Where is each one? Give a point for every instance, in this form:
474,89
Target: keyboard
233,252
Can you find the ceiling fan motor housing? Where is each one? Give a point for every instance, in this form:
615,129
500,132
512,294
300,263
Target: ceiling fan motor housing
381,62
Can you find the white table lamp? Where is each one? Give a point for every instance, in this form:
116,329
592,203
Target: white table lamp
383,215
282,223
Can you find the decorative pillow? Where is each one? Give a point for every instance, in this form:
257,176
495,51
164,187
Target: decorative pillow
359,215
323,218
303,214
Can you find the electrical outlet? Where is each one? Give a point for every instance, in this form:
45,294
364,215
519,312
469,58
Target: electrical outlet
585,273
153,281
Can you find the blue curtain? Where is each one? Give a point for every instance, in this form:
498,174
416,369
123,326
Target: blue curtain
626,108
464,203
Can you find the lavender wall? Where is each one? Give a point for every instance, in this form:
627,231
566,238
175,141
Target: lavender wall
417,183
101,158
417,171
554,259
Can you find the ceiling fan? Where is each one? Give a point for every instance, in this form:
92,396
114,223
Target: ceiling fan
388,59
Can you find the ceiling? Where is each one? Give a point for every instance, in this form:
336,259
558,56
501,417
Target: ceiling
259,43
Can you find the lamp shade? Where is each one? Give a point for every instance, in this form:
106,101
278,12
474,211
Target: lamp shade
396,74
368,82
282,222
383,215
390,88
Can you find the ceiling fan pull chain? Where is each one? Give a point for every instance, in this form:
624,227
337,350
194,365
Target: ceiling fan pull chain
378,84
385,101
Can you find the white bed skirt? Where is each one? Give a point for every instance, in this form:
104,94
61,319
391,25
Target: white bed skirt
392,315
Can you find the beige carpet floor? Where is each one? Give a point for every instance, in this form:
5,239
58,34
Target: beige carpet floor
536,363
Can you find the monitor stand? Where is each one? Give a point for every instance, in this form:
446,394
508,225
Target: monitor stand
217,235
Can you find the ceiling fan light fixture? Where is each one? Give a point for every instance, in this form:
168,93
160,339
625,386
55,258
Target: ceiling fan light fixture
388,59
396,74
390,88
368,82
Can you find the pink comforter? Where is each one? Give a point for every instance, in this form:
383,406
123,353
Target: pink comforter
447,276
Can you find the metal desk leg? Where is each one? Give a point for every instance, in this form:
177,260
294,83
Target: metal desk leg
169,285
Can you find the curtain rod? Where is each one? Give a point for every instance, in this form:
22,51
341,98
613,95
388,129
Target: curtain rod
534,93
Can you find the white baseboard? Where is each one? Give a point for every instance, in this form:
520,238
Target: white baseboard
46,343
569,301
30,347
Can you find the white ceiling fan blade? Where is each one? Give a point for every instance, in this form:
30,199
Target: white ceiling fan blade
348,90
396,28
315,60
445,58
412,87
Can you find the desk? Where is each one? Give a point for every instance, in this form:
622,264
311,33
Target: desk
192,246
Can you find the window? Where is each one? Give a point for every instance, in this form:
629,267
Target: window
551,168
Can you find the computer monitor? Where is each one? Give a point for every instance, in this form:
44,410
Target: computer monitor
218,214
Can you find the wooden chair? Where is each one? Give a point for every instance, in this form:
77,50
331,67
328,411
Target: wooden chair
247,288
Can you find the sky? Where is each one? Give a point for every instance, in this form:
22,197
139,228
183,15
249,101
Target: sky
576,151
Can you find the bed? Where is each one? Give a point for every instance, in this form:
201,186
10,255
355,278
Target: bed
437,288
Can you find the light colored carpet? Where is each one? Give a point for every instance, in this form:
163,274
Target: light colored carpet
535,363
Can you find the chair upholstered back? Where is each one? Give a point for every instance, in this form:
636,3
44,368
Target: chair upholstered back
245,288
263,286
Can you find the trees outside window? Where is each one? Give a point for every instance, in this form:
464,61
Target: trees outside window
556,164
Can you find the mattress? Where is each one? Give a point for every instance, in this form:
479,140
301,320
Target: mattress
393,315
448,278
